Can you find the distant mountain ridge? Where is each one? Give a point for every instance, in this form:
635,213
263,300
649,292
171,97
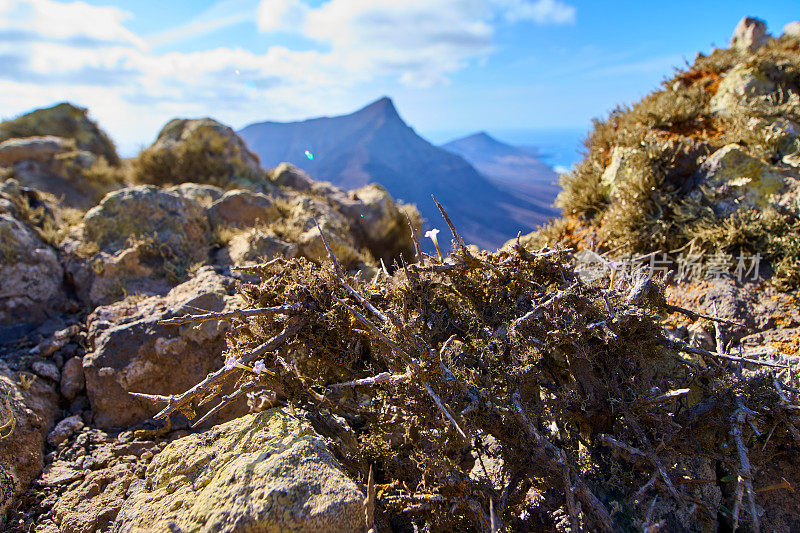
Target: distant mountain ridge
374,144
514,169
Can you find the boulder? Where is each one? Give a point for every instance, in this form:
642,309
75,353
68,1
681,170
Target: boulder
792,29
733,179
288,175
625,163
300,223
253,246
42,148
63,120
28,406
380,224
138,240
750,34
31,278
263,472
93,504
204,195
740,86
129,351
242,208
72,380
200,151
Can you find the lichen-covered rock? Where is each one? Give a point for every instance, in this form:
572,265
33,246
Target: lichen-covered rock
792,29
204,195
129,351
31,278
733,179
380,224
303,216
288,175
260,473
200,151
138,240
27,411
64,430
740,86
242,208
42,148
94,503
63,120
620,169
254,246
750,34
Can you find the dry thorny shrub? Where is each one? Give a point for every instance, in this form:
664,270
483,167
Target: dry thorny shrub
501,392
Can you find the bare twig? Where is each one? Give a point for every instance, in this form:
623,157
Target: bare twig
745,470
236,313
442,408
549,453
385,377
694,315
569,490
369,502
456,236
675,345
415,240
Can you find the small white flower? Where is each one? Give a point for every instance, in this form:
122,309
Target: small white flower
432,235
259,367
230,362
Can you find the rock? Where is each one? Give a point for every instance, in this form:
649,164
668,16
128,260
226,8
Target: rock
64,430
263,472
733,179
201,151
792,29
740,86
129,351
380,224
254,246
33,404
72,380
138,240
57,341
303,215
288,175
31,278
95,502
750,34
242,208
63,120
204,195
46,369
35,148
621,168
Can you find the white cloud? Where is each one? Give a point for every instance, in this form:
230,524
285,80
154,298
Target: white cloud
281,14
540,12
64,21
53,51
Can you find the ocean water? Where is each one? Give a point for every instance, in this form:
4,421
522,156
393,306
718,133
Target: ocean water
559,148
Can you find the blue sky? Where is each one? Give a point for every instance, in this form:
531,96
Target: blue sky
452,66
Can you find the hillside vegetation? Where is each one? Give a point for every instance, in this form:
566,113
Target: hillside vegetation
709,160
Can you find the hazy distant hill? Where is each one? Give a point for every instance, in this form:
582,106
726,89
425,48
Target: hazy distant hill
514,169
375,145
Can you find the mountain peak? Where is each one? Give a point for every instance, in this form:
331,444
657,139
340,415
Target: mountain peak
383,106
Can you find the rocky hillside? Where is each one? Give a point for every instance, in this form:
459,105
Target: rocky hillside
95,252
211,346
374,144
